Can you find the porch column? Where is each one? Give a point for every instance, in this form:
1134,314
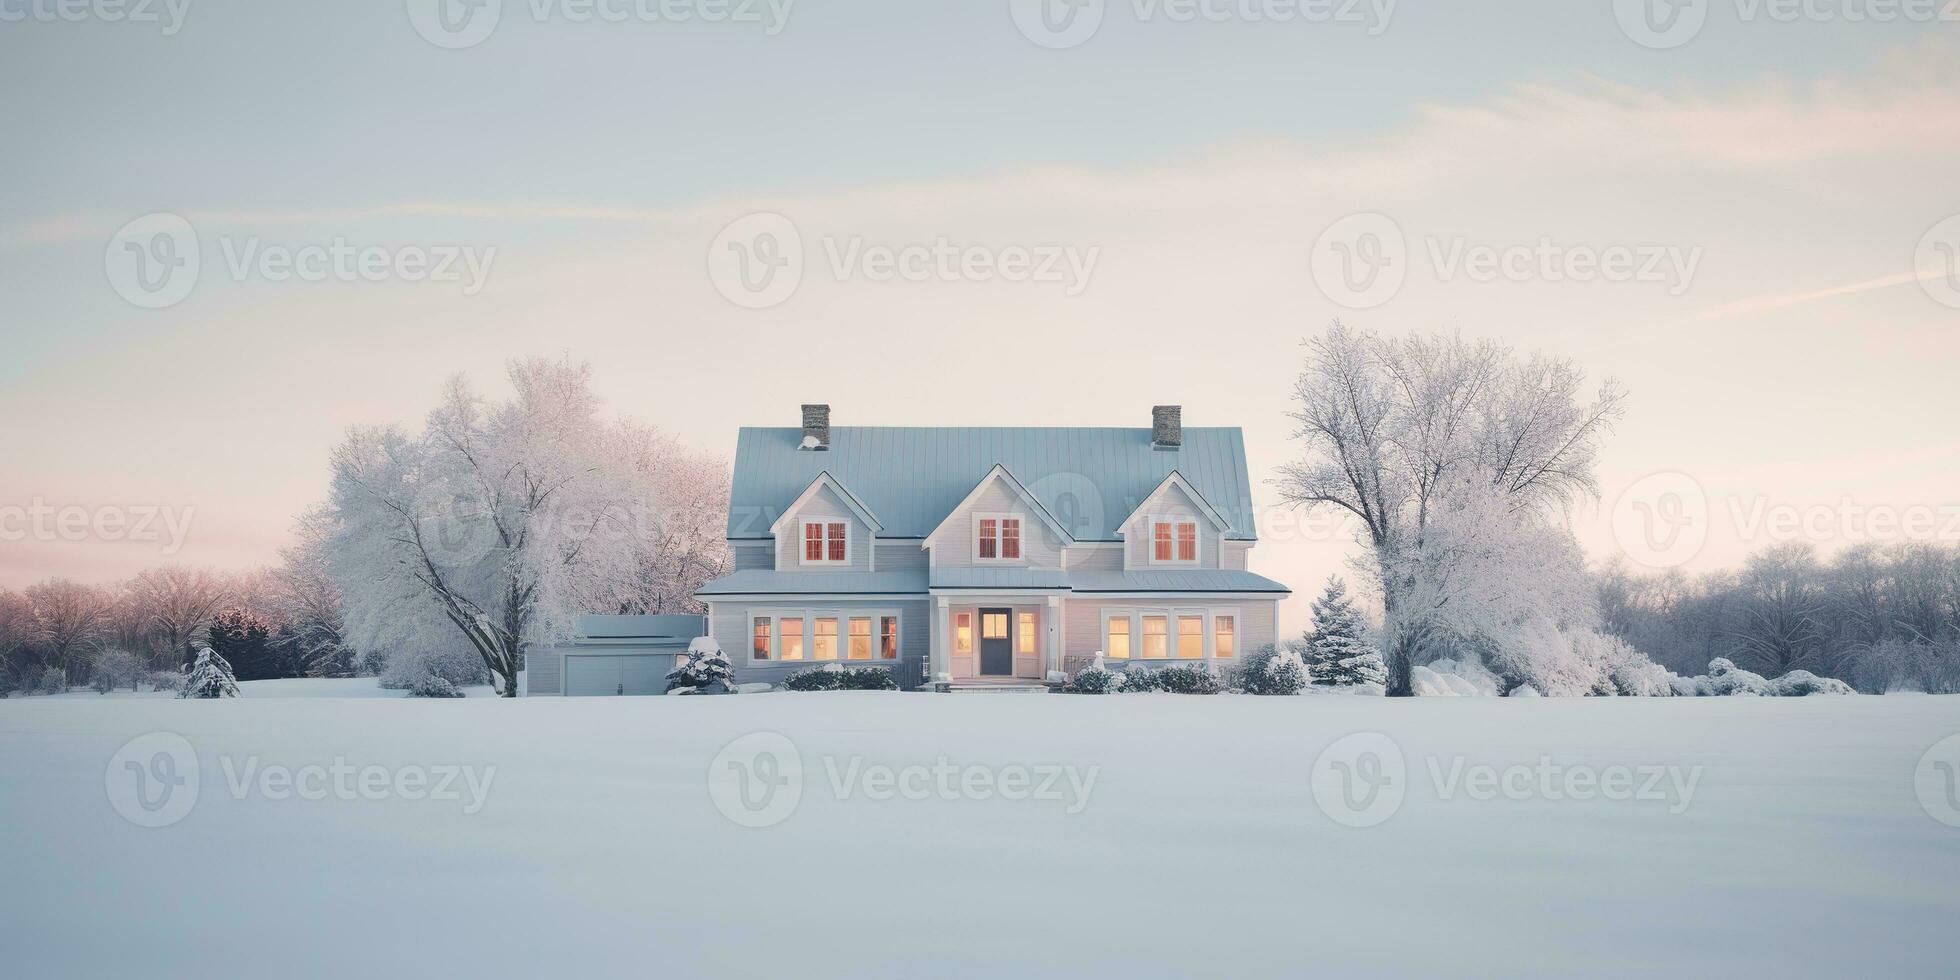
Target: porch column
1055,633
938,671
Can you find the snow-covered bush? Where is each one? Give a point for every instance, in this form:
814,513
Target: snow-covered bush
829,677
1096,678
1188,679
705,671
867,679
1273,671
1524,691
1725,679
1455,679
211,677
432,686
1627,671
1138,679
837,677
164,680
113,669
1802,683
460,666
53,680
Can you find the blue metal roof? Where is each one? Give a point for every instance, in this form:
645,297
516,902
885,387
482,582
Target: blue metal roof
764,581
655,627
1089,478
759,581
991,577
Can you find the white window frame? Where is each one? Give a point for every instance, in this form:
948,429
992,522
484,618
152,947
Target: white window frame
979,516
809,615
802,539
1171,614
1150,523
1238,634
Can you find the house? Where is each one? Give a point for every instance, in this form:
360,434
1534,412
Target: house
965,557
612,655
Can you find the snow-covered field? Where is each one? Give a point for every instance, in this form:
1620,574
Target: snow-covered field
595,848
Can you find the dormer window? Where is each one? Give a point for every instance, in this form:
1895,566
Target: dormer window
826,542
996,537
1173,541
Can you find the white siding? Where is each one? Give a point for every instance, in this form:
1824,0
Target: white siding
1040,548
822,504
1172,503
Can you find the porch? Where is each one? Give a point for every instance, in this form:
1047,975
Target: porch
992,641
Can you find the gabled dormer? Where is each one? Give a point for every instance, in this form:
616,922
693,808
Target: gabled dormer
826,528
998,523
1174,527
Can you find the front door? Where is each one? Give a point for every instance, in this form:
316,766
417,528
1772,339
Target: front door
996,646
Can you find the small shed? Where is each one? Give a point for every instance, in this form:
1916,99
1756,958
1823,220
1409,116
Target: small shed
613,656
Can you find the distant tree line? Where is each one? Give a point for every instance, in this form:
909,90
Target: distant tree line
1881,617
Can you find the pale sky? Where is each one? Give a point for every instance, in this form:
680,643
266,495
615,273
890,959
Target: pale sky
1801,171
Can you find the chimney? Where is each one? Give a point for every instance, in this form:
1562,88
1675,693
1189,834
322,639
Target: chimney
816,427
1166,427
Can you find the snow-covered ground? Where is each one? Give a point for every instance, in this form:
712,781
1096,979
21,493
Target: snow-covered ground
1197,847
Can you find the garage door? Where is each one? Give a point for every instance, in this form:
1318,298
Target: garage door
590,676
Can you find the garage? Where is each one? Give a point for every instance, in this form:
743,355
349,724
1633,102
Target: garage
614,656
588,675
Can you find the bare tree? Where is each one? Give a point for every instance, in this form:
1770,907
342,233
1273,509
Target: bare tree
16,629
1389,426
68,617
180,602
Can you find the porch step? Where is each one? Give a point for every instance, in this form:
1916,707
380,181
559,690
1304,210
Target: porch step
994,687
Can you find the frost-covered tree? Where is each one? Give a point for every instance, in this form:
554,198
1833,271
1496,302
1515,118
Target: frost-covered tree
210,677
499,521
1389,425
1337,649
1505,582
67,619
180,603
315,634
